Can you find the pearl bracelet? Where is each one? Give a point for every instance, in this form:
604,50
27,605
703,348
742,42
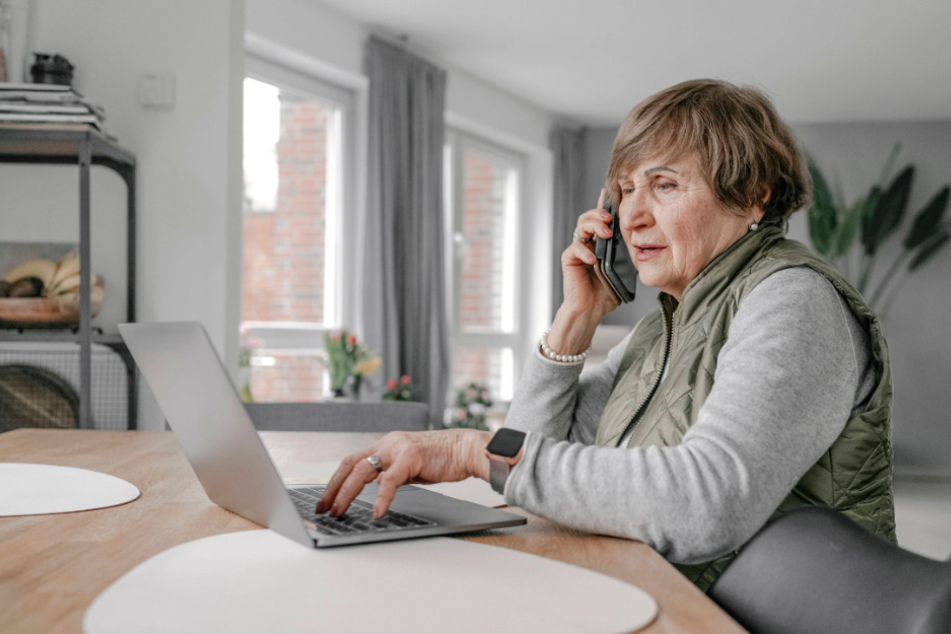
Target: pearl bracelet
564,358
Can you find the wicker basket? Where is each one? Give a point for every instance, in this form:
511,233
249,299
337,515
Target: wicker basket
43,312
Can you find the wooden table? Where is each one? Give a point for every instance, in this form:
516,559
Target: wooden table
53,566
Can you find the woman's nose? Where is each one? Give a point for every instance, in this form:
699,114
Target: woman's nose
634,212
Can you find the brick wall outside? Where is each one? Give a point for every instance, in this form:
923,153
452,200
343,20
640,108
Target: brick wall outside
481,310
476,365
483,209
284,252
294,378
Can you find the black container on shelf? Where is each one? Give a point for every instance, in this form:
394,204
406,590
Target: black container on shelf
51,69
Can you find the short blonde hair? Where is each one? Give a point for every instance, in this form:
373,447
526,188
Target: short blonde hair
746,150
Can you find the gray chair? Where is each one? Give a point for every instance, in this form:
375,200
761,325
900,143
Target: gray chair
814,570
381,416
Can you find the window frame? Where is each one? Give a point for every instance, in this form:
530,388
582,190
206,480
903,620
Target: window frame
307,337
457,140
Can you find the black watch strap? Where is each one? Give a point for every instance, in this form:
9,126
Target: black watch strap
498,474
506,444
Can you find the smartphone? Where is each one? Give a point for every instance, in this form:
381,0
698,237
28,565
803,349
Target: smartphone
614,266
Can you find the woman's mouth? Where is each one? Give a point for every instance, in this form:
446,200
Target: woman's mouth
644,252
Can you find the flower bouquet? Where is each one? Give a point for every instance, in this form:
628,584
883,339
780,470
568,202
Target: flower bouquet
346,358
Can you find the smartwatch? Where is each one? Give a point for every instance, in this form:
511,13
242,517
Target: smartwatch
503,452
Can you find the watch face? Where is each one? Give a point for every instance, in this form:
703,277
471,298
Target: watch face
506,443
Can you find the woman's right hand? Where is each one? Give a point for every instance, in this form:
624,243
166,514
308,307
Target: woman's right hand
587,299
584,292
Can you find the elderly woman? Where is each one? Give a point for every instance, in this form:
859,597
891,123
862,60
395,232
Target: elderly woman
761,383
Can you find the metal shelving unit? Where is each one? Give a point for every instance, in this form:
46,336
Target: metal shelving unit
83,146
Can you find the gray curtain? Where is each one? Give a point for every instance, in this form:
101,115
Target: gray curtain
404,301
568,150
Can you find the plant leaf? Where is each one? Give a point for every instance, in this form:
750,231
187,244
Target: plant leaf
895,200
929,249
928,219
868,210
845,231
822,213
888,213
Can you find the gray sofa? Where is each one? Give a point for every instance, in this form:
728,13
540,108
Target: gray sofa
382,416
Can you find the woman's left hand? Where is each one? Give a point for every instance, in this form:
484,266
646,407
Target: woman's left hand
422,457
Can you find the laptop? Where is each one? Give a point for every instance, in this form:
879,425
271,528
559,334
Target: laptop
202,407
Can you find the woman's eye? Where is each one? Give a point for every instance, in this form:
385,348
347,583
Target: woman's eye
627,191
666,186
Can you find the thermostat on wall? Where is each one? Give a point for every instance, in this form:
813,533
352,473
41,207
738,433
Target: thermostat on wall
157,90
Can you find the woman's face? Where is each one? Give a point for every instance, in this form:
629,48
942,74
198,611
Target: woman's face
673,224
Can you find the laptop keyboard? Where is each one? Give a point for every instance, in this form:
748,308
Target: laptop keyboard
356,520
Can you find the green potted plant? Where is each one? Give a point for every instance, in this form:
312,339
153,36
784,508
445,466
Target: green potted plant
399,390
851,236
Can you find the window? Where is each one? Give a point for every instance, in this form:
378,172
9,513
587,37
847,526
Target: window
296,129
483,189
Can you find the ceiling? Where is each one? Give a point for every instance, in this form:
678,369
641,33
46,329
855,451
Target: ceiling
592,60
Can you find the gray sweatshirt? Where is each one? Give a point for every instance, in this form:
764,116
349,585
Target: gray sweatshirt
795,366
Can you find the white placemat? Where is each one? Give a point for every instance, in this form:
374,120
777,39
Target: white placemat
36,489
258,581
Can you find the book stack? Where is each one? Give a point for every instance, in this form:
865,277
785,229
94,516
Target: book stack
47,103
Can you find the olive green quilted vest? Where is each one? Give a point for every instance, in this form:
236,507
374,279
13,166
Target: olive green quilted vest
854,475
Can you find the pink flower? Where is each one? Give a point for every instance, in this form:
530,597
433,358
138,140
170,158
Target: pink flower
352,340
405,379
337,336
391,384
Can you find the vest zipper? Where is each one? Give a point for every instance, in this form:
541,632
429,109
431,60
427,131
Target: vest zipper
668,337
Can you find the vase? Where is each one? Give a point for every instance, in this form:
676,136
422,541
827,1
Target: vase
244,382
355,383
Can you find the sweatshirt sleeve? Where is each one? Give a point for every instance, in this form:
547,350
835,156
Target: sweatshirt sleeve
784,387
557,401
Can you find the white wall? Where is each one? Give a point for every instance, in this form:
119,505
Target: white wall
337,42
188,177
311,32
